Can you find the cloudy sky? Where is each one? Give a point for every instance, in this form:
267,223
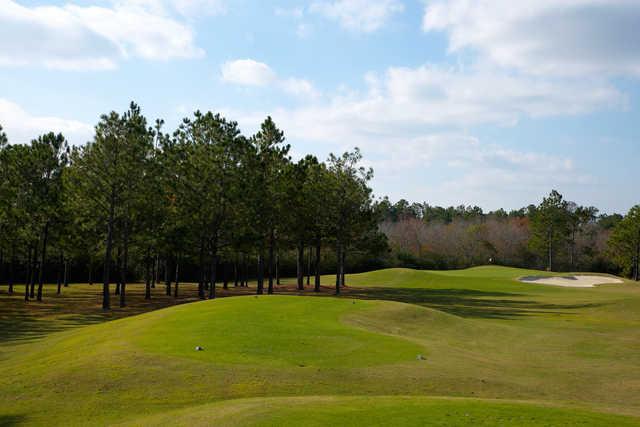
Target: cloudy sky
487,102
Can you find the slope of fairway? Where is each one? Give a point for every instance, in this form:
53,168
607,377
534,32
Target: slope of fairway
381,411
148,363
275,360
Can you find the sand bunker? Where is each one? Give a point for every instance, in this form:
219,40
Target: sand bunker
579,281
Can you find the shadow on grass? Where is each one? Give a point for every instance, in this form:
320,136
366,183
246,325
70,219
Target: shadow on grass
11,420
467,302
22,321
81,305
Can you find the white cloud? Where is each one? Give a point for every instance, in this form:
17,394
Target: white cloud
358,15
407,104
92,37
488,95
571,37
413,118
196,8
186,8
299,87
21,126
413,101
248,72
472,171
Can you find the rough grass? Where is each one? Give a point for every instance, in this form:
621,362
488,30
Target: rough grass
573,354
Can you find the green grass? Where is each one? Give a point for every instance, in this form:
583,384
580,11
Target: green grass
497,352
381,411
275,331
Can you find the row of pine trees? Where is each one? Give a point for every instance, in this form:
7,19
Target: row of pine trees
138,201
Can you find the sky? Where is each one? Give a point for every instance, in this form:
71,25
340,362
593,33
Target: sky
480,102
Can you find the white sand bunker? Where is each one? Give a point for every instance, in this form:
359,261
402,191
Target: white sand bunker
579,281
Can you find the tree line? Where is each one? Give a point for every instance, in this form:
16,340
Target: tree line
207,204
556,234
142,203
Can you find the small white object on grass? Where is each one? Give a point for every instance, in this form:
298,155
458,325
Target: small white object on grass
420,357
198,348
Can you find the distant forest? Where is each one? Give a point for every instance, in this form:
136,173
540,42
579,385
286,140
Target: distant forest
555,234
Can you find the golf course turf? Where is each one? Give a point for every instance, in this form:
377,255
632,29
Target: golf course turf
400,347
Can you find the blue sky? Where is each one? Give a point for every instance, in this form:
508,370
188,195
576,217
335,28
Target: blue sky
491,102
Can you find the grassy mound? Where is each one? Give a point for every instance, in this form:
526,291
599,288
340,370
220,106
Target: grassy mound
148,362
483,335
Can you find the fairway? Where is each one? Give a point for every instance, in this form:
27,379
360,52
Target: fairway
400,347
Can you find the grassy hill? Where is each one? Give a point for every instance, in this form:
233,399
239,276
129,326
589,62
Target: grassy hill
494,350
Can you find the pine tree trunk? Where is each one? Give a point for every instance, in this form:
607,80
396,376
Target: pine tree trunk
176,278
106,304
156,267
343,267
202,272
10,278
317,266
260,287
245,272
43,258
167,280
235,272
28,278
277,267
338,267
271,259
118,270
299,261
34,267
147,275
125,268
59,274
214,266
65,276
225,275
309,265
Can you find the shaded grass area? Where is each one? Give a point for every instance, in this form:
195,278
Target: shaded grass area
77,305
469,303
11,420
80,304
